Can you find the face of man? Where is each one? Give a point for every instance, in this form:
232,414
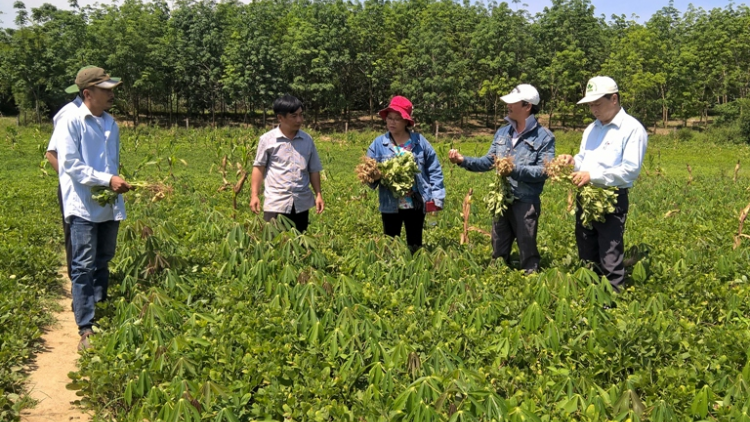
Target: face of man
99,99
605,109
519,112
292,121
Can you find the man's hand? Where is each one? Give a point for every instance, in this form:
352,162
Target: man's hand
455,157
255,204
320,205
567,159
119,185
580,178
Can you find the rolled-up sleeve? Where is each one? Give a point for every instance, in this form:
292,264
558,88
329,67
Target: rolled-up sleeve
67,137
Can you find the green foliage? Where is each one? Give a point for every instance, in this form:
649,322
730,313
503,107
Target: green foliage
744,123
29,237
398,173
217,316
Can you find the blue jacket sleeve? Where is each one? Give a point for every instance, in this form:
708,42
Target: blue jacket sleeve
480,164
371,154
535,173
434,173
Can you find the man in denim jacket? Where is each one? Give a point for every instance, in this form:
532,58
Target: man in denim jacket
530,145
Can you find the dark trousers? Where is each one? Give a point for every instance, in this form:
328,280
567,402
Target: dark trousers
520,223
413,222
603,244
66,232
300,220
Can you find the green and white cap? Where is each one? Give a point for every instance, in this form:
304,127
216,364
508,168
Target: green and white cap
598,87
92,76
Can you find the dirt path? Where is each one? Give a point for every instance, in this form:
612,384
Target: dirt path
47,382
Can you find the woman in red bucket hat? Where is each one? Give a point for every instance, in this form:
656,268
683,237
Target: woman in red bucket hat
428,192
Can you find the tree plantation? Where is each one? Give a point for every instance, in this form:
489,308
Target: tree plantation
452,59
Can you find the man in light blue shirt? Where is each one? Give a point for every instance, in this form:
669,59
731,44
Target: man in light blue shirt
88,145
611,154
52,158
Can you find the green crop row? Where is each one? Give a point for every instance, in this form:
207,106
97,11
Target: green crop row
216,316
30,242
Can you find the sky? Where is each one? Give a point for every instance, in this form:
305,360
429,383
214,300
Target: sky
642,9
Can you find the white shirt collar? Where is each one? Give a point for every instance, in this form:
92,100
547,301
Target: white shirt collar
616,121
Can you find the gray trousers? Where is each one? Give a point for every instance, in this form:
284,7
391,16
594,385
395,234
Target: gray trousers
603,244
520,223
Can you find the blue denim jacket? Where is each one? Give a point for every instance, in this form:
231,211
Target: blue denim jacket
535,146
429,181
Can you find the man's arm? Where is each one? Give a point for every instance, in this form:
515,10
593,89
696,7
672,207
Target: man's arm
477,164
315,182
52,158
535,173
67,137
256,181
630,167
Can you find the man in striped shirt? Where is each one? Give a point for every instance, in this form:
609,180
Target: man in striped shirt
288,163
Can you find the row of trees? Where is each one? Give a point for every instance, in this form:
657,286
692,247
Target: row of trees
454,60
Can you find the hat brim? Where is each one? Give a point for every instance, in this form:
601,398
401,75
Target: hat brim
404,115
73,89
516,98
591,98
109,84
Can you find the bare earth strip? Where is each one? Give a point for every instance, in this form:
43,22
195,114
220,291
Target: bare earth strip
47,382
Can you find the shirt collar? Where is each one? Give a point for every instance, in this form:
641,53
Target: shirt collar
616,121
530,124
387,138
279,134
84,111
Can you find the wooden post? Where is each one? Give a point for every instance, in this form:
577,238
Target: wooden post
437,129
346,128
187,123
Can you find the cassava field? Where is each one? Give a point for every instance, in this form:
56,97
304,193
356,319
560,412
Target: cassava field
215,316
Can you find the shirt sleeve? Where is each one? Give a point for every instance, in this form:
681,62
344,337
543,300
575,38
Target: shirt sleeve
482,163
371,154
314,165
629,168
52,146
435,173
261,158
535,173
67,136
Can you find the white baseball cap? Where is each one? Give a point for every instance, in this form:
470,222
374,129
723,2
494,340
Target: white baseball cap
598,87
523,92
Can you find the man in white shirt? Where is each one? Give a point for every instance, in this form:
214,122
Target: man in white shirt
52,158
88,145
611,154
